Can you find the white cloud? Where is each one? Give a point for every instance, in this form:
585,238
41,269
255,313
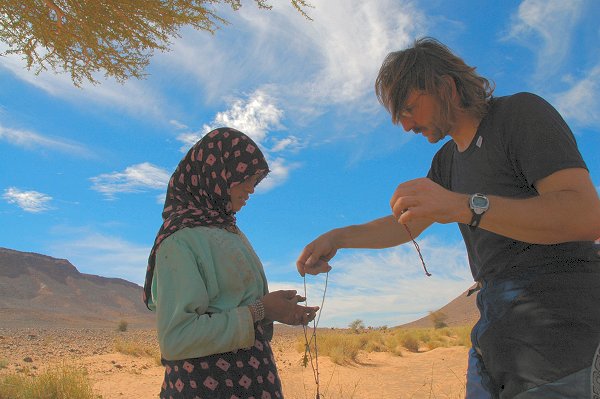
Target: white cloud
388,287
308,64
552,21
254,117
104,255
581,103
29,201
31,140
280,171
177,124
290,143
257,116
135,178
349,40
189,139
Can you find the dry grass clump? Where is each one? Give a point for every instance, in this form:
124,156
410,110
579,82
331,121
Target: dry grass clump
343,346
57,383
134,348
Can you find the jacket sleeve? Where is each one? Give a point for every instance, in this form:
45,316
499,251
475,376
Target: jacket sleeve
185,329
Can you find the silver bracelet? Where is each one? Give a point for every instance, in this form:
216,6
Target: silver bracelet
258,310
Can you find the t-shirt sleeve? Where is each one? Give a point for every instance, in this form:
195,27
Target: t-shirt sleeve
185,329
538,140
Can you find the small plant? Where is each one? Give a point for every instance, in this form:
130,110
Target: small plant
3,363
411,343
357,326
133,348
122,326
439,319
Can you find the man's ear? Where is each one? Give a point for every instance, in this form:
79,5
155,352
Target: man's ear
451,85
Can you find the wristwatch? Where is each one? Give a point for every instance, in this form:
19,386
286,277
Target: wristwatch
478,203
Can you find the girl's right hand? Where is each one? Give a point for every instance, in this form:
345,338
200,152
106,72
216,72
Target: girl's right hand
282,306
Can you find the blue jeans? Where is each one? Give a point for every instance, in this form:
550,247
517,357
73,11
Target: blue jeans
536,338
476,388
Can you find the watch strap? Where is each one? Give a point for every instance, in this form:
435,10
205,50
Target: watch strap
474,223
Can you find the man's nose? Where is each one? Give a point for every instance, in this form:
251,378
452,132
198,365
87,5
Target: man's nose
407,123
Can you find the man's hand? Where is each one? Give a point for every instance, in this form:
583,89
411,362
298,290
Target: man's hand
316,255
282,306
422,199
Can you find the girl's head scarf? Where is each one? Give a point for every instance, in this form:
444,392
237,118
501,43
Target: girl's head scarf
199,190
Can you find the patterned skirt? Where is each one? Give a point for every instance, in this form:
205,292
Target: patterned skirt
248,373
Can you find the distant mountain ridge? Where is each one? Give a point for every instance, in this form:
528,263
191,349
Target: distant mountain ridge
461,311
38,290
41,291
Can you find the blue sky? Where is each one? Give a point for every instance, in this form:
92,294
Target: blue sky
83,171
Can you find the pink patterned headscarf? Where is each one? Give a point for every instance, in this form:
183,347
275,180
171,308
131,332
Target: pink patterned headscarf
199,189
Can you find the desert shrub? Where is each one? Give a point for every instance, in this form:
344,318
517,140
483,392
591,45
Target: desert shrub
462,336
3,363
357,326
58,383
423,335
340,347
343,354
410,342
374,342
435,343
439,319
122,326
343,346
134,348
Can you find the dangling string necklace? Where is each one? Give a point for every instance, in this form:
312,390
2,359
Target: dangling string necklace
308,356
418,250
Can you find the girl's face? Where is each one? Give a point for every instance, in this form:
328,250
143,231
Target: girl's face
241,192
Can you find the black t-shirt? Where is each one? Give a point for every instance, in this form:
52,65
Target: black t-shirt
521,140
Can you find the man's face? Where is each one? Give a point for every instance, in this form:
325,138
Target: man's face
421,114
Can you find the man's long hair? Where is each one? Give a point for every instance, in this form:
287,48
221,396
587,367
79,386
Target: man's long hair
427,66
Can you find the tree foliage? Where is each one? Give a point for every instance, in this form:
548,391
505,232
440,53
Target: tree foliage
116,37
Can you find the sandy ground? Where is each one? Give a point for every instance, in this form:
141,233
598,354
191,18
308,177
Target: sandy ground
434,374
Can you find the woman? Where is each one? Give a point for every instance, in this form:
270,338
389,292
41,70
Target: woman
208,288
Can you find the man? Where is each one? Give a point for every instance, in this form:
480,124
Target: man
513,179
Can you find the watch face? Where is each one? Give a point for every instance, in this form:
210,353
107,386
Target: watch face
479,202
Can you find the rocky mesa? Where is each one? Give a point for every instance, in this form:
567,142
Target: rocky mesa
41,291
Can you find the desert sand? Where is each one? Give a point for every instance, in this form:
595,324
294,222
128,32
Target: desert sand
439,373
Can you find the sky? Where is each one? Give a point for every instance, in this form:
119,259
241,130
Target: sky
83,171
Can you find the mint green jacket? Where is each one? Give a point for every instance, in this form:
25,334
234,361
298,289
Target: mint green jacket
203,281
